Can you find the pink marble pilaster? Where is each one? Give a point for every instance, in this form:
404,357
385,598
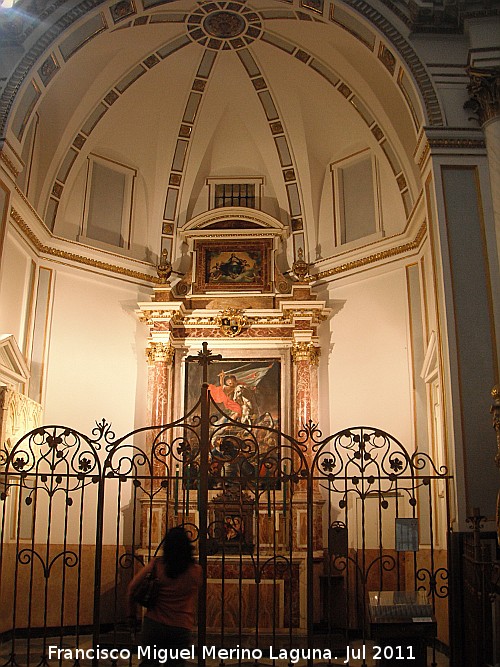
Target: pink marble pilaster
160,383
305,357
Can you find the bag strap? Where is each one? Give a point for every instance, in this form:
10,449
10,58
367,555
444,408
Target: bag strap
154,570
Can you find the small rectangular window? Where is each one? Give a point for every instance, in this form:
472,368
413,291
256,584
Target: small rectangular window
104,220
235,192
108,203
356,199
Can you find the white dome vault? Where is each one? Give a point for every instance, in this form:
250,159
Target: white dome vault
172,94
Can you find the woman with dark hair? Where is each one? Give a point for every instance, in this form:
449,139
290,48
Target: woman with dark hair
168,623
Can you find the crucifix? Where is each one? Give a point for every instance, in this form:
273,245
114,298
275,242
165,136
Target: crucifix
204,359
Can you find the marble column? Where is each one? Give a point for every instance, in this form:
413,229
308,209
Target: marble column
160,388
305,358
484,91
154,520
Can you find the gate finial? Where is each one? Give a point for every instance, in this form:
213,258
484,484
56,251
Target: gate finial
204,358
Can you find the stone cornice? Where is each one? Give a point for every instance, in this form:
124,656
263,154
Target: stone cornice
442,141
380,256
409,55
16,27
51,251
267,224
438,17
171,316
158,311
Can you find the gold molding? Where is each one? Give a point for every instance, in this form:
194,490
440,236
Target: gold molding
213,320
174,315
376,257
4,213
30,311
495,411
157,351
412,343
314,314
28,203
450,144
305,352
463,144
457,143
48,302
10,165
150,316
253,320
105,266
80,259
429,185
425,154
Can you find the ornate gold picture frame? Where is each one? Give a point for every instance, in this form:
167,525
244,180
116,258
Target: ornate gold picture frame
233,265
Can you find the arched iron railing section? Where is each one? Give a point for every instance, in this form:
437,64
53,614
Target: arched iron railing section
365,462
51,471
49,467
250,466
253,467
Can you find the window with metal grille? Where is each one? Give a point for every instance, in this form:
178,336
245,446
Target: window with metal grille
234,194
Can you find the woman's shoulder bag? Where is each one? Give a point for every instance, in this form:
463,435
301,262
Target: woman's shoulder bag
147,591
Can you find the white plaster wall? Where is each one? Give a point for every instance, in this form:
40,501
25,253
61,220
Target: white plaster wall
14,287
96,368
368,374
97,365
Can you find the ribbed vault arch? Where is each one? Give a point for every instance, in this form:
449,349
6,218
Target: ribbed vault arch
205,27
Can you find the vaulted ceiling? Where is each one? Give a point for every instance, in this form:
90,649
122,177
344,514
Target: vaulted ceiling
183,91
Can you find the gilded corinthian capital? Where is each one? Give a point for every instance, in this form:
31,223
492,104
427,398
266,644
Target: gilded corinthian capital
305,352
484,91
160,352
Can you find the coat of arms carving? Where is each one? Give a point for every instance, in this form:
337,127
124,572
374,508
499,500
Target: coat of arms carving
232,321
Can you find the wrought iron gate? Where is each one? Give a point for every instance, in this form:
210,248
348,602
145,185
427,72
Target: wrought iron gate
292,533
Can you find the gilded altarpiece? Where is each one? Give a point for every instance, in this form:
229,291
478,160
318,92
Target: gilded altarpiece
264,326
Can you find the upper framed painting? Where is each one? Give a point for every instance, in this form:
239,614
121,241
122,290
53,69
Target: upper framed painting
233,265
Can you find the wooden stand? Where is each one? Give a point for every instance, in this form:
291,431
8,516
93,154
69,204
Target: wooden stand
401,625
